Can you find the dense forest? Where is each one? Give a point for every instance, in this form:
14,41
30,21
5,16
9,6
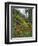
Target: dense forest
21,26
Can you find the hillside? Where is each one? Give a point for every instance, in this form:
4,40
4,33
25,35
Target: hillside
22,27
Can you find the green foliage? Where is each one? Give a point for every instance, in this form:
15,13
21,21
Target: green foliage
25,27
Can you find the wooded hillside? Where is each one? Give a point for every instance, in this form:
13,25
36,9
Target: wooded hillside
21,27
